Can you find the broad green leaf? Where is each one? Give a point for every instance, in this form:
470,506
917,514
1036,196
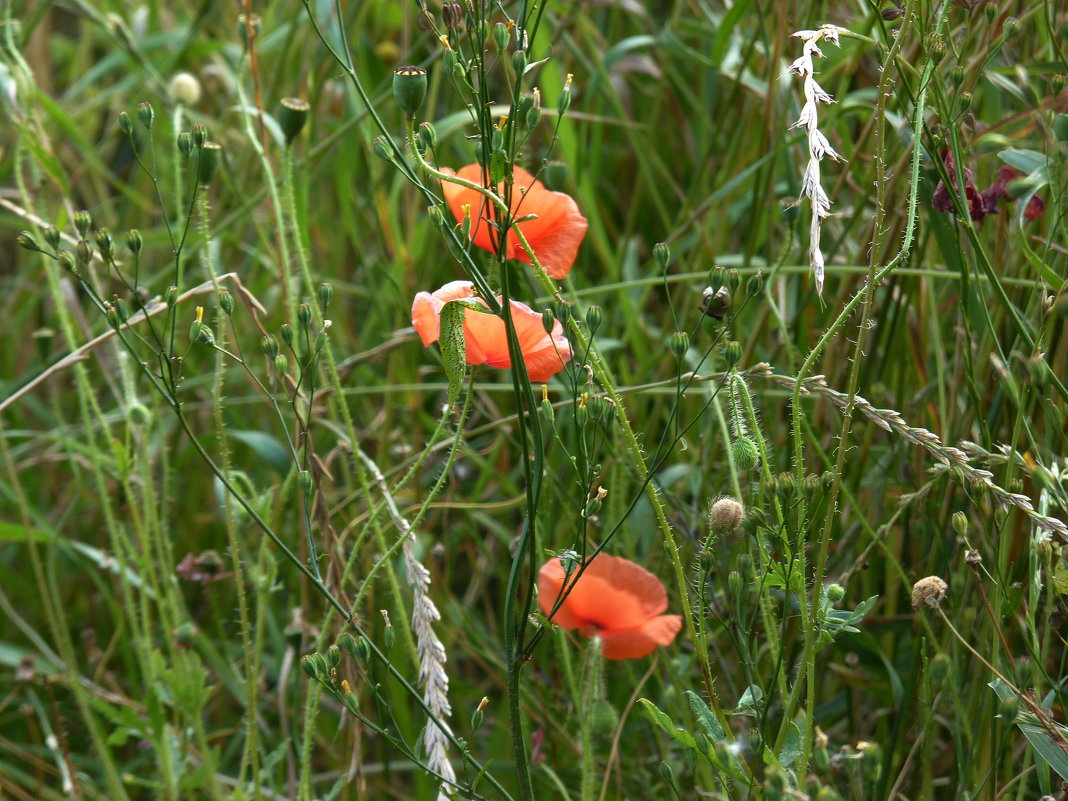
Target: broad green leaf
791,747
266,447
667,724
705,717
1026,161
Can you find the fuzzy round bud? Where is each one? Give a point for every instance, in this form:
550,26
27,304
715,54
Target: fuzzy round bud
835,593
292,116
134,241
145,114
125,123
82,223
679,343
409,89
732,352
744,453
184,88
594,318
928,591
725,515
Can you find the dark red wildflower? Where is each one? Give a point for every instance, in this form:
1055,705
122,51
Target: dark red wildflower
941,199
1035,208
999,190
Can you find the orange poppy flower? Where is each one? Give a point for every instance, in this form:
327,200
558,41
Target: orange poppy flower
614,598
555,235
484,335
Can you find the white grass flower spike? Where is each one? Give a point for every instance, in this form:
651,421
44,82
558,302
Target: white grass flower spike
818,146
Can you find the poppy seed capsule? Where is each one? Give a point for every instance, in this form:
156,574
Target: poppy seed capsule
208,162
409,89
292,115
745,454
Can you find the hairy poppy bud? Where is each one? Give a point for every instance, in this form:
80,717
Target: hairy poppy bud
134,241
745,454
292,115
835,593
409,89
125,123
548,321
725,515
208,162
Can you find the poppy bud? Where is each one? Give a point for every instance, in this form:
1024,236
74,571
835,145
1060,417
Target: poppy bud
170,296
309,665
105,243
717,278
208,162
125,123
145,114
725,515
292,115
563,313
333,656
409,89
286,330
734,584
200,136
732,352
835,593
679,344
185,143
662,254
745,454
734,280
594,317
548,322
501,36
226,301
960,523
965,100
307,483
281,364
603,718
51,236
326,294
82,223
134,241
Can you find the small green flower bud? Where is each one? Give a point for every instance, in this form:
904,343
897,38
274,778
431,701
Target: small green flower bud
734,584
935,46
26,241
389,635
82,223
437,219
595,406
991,11
145,114
207,336
200,136
269,345
208,162
309,665
563,102
381,149
603,718
667,773
51,236
125,123
84,251
307,483
281,364
428,134
732,352
479,715
347,643
956,75
532,115
333,656
755,285
679,343
292,115
197,326
1056,84
304,315
409,89
734,280
812,484
501,36
745,454
170,296
134,241
1025,673
123,309
185,634
1010,26
67,262
965,100
286,330
226,301
594,318
744,564
717,278
835,593
519,62
546,409
563,312
185,143
104,243
112,315
548,321
960,523
326,294
662,254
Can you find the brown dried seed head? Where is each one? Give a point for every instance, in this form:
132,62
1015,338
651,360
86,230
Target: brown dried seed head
928,592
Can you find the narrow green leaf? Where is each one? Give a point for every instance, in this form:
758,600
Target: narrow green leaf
453,347
667,724
705,717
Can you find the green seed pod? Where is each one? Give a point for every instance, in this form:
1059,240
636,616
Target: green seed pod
333,656
82,223
563,312
304,315
226,301
134,241
519,62
679,342
501,36
956,75
563,102
935,46
603,718
208,162
734,280
532,115
965,100
667,773
104,243
381,149
68,262
292,116
594,318
145,114
281,364
170,296
662,254
428,133
269,345
960,523
835,593
326,294
734,584
51,236
286,330
732,352
200,136
125,123
717,278
26,241
755,285
548,321
309,665
84,251
409,89
745,454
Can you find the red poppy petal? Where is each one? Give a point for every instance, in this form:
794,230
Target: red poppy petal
459,196
550,582
615,593
639,642
543,354
425,318
558,230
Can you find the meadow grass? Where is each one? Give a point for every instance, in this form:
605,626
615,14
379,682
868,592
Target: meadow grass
257,542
